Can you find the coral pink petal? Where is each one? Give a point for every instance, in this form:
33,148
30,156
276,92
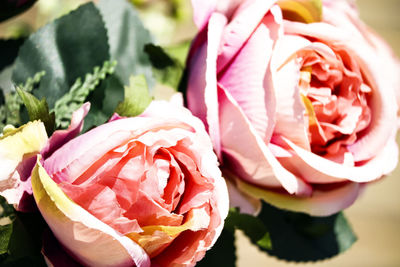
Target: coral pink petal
75,157
238,31
77,230
383,101
316,169
182,252
148,212
250,70
252,159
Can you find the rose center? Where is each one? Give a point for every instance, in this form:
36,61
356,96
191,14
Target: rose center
335,96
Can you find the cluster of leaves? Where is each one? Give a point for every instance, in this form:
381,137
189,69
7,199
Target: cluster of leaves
94,47
289,236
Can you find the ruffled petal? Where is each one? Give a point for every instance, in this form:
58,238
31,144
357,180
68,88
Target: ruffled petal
316,169
239,30
75,157
383,102
252,160
250,70
88,239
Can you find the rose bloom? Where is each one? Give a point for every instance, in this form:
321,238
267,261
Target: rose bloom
302,115
142,191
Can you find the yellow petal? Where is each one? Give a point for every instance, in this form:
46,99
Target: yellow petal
306,11
312,117
91,241
15,145
155,238
27,139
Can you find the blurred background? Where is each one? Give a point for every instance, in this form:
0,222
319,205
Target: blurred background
375,217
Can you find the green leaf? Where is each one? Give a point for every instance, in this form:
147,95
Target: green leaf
13,101
223,253
20,237
7,215
6,209
252,226
66,49
30,83
9,51
344,234
127,38
38,110
103,101
25,241
179,51
76,96
300,237
137,97
5,235
167,70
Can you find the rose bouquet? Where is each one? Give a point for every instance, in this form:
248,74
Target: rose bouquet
291,111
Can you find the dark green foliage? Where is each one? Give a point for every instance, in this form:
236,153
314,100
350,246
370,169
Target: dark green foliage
301,237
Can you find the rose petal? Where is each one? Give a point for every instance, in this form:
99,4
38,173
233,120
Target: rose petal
155,238
246,203
290,111
75,157
383,101
60,137
306,11
321,202
88,239
54,254
316,169
238,31
205,77
250,69
202,10
15,149
253,160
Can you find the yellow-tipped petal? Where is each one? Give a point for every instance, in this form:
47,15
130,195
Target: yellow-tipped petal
321,203
306,11
15,145
155,238
91,241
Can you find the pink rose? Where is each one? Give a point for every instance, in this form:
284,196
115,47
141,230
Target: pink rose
302,115
133,192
